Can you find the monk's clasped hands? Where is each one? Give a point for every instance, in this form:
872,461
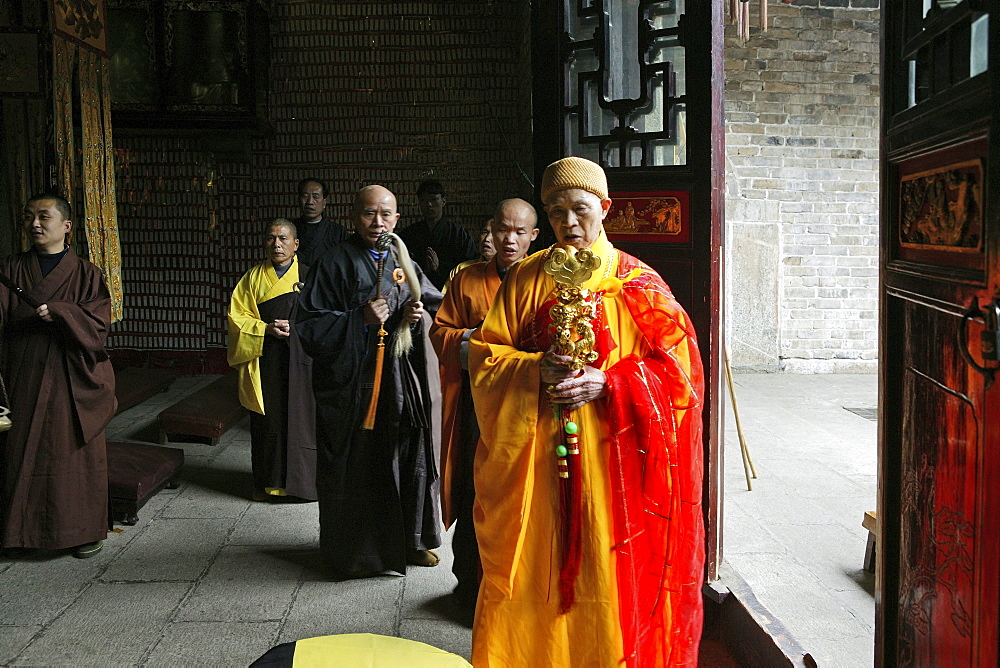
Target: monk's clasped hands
571,388
279,328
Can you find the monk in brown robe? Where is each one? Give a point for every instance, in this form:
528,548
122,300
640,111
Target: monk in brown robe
463,309
62,391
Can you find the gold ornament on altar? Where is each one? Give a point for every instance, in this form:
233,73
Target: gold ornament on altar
575,306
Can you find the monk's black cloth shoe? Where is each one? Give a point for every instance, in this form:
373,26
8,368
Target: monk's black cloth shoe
88,550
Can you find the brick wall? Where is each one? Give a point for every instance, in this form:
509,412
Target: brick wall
802,106
361,92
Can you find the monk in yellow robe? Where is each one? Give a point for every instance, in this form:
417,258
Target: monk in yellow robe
275,374
590,525
463,309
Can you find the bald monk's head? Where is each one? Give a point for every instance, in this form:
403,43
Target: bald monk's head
374,212
514,228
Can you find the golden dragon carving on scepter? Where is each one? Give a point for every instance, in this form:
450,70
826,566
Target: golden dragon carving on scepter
576,306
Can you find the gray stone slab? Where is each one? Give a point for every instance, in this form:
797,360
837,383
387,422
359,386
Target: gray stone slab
848,511
352,606
854,651
768,571
441,634
110,624
213,643
753,320
171,550
808,615
38,588
744,534
13,640
243,584
860,600
770,503
278,523
821,480
234,453
211,492
427,590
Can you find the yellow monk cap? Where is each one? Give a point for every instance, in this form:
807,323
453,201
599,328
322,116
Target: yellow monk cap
574,172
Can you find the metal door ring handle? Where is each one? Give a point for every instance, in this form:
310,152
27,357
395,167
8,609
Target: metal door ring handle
963,342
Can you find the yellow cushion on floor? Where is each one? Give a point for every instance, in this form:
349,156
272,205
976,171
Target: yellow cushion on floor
367,650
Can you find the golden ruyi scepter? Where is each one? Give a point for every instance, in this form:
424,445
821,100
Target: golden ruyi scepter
572,328
402,341
573,337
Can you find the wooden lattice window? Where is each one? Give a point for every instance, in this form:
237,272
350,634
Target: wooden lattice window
944,43
624,99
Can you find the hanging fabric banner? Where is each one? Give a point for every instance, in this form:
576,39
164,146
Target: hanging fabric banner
98,216
63,54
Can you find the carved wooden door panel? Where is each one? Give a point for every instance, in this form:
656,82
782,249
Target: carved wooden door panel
939,469
636,85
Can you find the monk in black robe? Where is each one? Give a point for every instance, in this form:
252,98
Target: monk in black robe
438,245
378,496
317,233
62,391
274,372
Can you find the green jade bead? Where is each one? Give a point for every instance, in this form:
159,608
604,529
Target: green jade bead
572,428
561,450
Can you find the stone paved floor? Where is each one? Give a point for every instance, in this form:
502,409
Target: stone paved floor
208,577
797,537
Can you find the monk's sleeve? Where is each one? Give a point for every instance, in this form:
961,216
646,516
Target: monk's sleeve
656,465
450,326
246,329
430,296
505,389
84,323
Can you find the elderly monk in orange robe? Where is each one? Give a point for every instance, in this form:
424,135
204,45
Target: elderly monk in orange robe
463,309
602,567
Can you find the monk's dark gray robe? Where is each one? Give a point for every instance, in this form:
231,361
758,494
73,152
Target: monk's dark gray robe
283,440
62,391
377,489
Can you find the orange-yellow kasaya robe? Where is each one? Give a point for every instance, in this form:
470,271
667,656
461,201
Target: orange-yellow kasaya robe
517,510
464,307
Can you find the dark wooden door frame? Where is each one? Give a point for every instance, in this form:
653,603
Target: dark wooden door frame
703,177
954,117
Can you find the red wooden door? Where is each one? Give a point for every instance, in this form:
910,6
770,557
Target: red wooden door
939,469
636,85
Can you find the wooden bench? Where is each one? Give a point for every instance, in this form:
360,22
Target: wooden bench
133,386
207,413
870,522
136,473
